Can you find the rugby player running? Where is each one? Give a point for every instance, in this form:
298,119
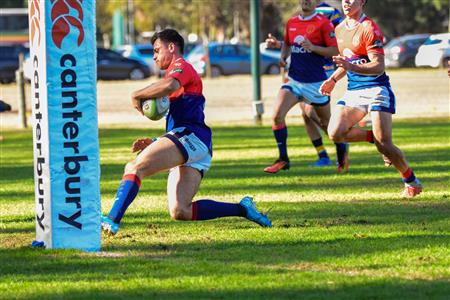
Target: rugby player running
361,58
309,38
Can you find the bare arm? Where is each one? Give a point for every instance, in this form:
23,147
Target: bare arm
374,67
338,74
158,89
324,51
328,85
285,52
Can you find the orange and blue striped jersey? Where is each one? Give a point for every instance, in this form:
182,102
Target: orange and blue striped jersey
356,43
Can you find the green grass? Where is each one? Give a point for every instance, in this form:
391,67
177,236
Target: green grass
343,237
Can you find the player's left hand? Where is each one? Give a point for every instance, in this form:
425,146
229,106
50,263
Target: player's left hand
327,87
272,42
307,45
340,61
141,144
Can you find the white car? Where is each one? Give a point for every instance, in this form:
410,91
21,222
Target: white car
435,51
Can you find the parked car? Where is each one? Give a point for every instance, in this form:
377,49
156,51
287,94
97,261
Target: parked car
227,59
401,51
140,52
435,51
9,60
188,47
110,65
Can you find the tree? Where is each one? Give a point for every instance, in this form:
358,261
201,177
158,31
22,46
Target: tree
215,18
398,17
13,4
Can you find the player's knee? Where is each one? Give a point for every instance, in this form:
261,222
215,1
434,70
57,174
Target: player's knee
335,134
324,124
305,117
130,168
180,213
384,146
277,119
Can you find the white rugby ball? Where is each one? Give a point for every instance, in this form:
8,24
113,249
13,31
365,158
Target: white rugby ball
155,109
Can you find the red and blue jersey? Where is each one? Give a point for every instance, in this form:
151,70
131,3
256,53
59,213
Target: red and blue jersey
307,66
356,44
187,103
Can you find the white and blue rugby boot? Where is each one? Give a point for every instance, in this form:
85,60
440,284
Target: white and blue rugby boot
252,213
109,226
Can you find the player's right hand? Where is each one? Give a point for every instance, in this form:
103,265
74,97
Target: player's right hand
137,104
327,87
282,62
141,144
272,42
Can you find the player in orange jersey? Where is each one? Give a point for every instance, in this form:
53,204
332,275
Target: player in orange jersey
361,58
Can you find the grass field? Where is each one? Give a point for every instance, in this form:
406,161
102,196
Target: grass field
340,237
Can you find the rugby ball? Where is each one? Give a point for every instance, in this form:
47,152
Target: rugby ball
155,109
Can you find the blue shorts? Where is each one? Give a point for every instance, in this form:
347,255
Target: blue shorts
377,98
307,92
195,152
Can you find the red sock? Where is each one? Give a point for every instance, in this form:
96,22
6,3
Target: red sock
369,137
408,176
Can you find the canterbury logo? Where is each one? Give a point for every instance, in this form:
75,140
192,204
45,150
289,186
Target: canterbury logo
63,21
35,17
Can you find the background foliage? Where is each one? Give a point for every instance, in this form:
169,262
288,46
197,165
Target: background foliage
217,18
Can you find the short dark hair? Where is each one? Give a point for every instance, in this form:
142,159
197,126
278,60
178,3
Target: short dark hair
169,36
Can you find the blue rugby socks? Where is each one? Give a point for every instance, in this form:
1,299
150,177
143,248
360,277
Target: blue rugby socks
321,152
408,176
280,132
209,209
341,151
128,189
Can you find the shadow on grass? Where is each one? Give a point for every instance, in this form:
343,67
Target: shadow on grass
285,215
369,219
428,161
368,170
232,269
375,289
